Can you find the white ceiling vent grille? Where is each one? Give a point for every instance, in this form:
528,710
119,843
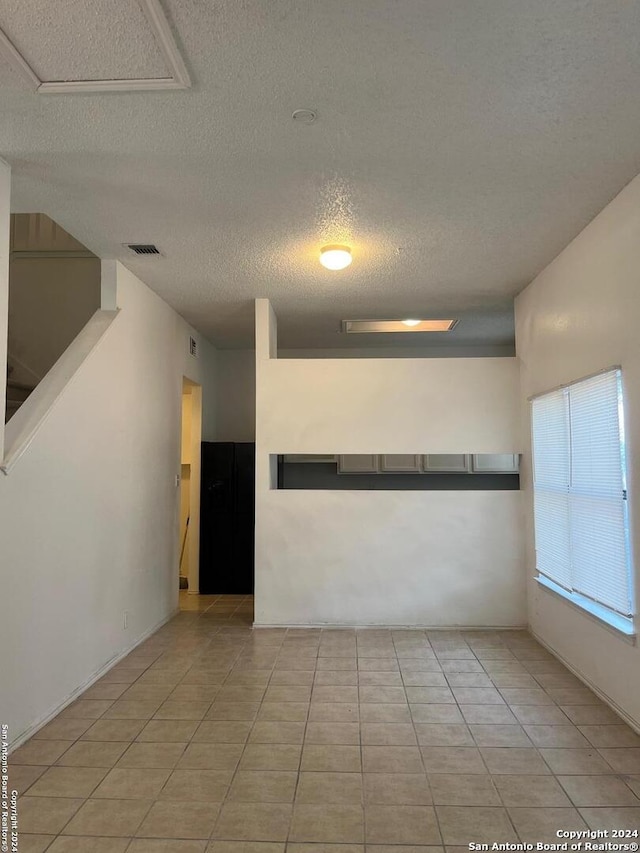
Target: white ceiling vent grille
193,347
143,248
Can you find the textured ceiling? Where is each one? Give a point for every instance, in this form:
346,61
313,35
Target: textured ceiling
459,147
83,39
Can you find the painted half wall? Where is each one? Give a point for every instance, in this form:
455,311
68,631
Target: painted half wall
390,558
449,405
236,378
89,513
579,316
385,558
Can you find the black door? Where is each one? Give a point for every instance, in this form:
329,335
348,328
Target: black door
244,519
227,518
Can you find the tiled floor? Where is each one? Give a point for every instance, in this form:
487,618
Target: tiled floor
235,609
213,737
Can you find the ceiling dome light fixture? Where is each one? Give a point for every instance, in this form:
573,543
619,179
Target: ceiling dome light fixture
335,257
412,322
304,116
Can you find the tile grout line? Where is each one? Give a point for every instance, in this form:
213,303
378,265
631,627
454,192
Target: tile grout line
304,734
195,649
415,732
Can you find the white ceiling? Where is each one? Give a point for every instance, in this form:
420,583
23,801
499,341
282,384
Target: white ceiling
459,147
82,39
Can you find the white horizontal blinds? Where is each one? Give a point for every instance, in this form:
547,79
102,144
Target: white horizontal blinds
579,499
596,494
551,470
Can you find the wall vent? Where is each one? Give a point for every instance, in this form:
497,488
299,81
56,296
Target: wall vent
193,347
143,248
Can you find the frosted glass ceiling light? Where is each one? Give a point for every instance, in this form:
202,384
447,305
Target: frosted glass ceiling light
375,326
335,257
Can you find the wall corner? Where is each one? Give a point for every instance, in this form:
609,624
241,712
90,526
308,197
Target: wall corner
266,331
109,285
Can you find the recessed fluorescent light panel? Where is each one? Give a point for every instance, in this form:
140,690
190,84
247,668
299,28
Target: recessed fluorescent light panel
404,326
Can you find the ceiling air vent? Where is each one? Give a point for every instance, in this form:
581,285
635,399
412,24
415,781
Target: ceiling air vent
143,248
193,347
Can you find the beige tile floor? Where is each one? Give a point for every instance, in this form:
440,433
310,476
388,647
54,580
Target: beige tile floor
213,737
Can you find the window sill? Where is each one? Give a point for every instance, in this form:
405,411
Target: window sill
620,625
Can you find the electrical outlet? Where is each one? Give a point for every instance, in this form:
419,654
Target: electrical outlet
177,480
125,620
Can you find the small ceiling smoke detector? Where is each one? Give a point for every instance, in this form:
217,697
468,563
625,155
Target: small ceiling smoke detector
143,248
304,116
335,257
377,326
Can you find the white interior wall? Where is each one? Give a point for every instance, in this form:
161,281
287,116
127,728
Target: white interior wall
390,405
89,513
579,316
389,558
384,557
236,382
236,395
5,223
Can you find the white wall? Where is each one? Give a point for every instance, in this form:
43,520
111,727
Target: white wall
383,557
236,382
452,405
579,316
236,395
397,558
89,513
5,194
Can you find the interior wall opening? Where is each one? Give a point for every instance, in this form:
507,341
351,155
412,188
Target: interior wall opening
54,289
189,517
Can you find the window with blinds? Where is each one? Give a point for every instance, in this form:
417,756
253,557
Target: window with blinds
580,497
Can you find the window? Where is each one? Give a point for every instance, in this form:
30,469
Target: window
580,497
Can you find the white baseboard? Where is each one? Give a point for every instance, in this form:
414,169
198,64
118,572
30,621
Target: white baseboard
629,720
96,676
386,625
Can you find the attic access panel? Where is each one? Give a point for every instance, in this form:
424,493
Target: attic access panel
89,46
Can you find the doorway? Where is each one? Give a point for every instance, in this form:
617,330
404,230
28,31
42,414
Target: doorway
189,525
228,518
